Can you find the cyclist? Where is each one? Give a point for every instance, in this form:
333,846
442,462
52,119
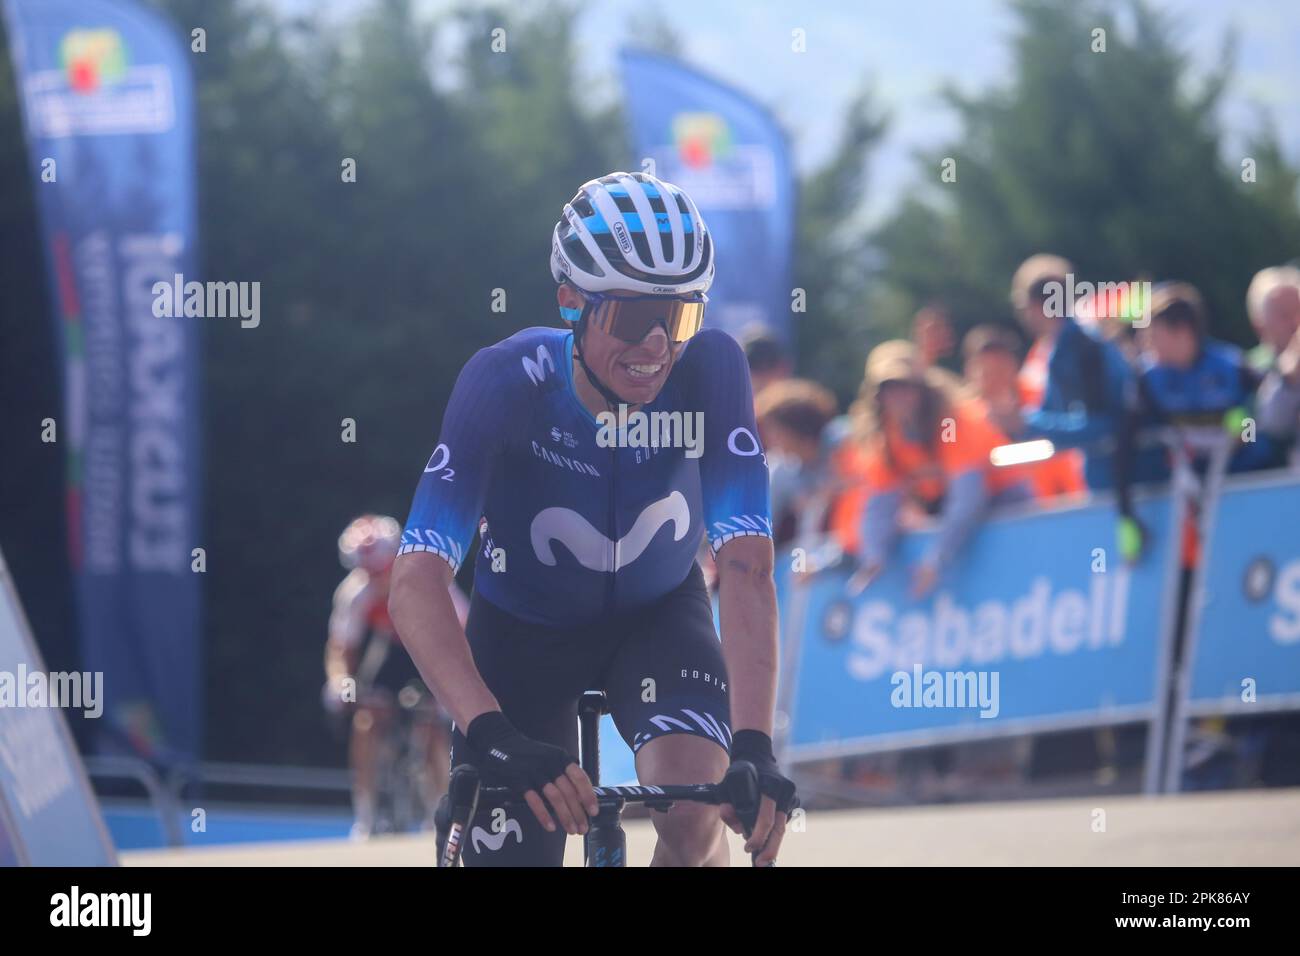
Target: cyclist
366,666
586,574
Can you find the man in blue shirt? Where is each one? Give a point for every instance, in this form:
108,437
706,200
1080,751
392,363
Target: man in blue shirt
1188,378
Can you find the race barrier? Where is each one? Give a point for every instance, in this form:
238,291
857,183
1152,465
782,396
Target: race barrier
48,814
1041,627
1243,636
1248,627
1039,618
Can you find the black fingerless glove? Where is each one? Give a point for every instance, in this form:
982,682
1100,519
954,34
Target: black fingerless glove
755,747
519,762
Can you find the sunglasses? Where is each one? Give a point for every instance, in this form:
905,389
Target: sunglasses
631,317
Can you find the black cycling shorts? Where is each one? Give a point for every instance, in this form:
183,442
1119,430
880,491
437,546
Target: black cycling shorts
660,667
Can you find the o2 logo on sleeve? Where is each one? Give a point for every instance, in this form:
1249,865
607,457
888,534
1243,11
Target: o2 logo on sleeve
743,443
438,461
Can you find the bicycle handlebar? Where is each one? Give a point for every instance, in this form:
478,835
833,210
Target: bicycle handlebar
739,787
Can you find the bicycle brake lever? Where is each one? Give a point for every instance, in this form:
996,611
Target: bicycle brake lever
462,799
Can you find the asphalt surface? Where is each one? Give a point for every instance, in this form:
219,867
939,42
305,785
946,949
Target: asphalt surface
1250,828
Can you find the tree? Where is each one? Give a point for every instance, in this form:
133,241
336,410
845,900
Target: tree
832,260
1114,159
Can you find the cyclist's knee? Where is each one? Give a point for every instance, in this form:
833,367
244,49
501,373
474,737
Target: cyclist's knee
371,719
690,833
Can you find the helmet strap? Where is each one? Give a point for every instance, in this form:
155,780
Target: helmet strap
611,397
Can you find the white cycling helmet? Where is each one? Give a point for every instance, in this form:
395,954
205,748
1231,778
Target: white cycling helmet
602,242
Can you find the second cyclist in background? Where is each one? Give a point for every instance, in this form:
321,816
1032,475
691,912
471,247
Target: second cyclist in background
368,672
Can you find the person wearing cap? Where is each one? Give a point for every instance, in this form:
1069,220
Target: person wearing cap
926,450
1084,382
1089,390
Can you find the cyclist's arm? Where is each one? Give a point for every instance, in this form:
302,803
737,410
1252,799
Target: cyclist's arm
734,482
346,629
444,513
747,612
425,616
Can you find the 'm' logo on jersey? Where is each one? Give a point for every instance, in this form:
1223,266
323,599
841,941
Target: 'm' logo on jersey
593,549
536,371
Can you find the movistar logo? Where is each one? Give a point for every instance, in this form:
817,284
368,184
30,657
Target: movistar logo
536,370
480,838
595,550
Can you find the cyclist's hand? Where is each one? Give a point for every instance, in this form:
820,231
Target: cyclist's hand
534,769
777,797
333,697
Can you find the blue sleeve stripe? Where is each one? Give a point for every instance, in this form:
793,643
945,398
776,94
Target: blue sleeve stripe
440,552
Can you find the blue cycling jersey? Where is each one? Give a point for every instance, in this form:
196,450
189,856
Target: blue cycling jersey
1218,380
572,526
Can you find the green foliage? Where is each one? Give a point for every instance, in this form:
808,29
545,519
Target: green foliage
1113,159
831,258
375,293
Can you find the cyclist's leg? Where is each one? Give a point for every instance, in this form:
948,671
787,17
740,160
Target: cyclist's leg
667,689
537,675
371,725
432,738
429,735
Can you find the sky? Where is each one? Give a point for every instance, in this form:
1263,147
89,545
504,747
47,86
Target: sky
908,52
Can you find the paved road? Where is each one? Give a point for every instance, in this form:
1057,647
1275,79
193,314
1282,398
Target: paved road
1254,828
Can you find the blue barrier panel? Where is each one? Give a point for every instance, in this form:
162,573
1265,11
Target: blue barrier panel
1249,623
1048,638
48,814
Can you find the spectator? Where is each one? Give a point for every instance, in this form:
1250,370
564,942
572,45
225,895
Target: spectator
1278,400
793,416
1188,378
1273,304
926,449
769,360
1086,386
932,334
992,364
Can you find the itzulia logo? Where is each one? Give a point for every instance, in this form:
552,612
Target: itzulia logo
701,138
92,58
